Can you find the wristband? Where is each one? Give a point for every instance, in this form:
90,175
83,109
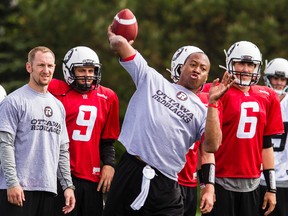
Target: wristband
208,173
213,105
200,176
200,179
129,58
269,175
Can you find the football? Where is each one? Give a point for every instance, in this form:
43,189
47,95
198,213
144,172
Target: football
125,24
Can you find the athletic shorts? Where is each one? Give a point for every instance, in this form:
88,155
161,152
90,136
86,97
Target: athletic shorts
164,197
281,208
189,195
36,203
230,203
89,201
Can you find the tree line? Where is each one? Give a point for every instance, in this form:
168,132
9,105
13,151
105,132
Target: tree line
164,26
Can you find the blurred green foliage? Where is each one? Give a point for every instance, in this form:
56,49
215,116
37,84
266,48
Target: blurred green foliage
164,26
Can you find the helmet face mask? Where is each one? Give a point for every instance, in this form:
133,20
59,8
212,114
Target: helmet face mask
179,58
277,68
81,57
244,52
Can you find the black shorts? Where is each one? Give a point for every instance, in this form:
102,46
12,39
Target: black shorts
89,201
36,203
230,203
189,195
164,197
281,208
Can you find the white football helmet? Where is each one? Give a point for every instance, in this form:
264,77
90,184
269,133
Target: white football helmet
78,57
179,59
244,51
3,93
277,67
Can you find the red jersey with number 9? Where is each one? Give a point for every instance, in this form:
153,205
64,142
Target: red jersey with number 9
89,117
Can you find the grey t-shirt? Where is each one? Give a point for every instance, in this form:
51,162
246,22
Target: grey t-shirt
37,122
162,119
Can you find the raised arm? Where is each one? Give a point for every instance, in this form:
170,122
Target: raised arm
120,45
213,134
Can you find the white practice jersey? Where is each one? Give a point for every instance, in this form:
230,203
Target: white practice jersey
280,143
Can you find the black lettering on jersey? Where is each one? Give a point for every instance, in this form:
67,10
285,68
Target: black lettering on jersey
44,125
174,106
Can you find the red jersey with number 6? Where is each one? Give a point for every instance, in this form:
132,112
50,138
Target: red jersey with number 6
89,117
246,118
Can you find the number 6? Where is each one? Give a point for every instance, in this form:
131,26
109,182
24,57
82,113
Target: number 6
244,119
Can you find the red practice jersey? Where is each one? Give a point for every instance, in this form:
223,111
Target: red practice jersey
90,117
246,118
188,175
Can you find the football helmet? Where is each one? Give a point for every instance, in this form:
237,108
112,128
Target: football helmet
3,93
179,59
277,67
244,51
81,56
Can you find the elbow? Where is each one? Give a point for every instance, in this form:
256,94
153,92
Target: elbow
210,149
211,146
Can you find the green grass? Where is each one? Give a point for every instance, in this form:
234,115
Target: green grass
198,213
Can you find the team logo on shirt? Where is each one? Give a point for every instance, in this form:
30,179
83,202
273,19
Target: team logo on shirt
174,105
48,111
182,96
46,125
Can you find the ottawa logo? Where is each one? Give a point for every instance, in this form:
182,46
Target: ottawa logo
182,96
48,111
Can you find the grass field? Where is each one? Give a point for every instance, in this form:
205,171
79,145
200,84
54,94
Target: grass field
198,212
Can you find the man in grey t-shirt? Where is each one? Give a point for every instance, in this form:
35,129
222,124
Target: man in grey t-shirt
34,144
162,121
